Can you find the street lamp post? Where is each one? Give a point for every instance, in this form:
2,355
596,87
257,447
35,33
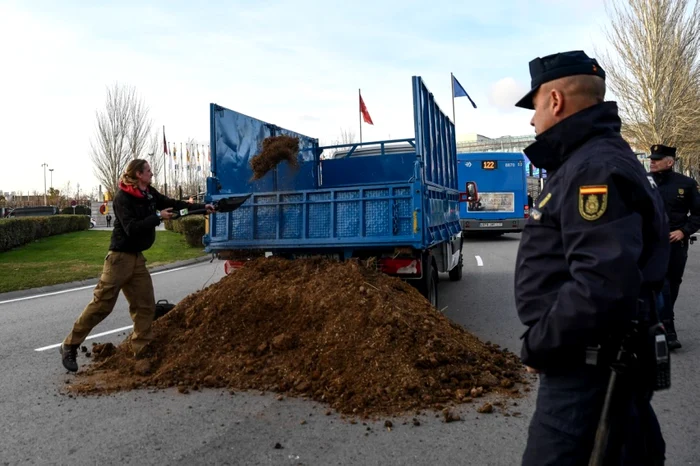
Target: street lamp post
44,165
51,171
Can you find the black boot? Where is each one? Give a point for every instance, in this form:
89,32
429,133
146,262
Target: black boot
69,354
673,343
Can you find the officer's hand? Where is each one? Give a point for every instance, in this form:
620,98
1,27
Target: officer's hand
166,214
531,370
677,235
210,208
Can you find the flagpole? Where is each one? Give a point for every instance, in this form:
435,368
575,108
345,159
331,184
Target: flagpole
165,163
179,174
452,83
359,106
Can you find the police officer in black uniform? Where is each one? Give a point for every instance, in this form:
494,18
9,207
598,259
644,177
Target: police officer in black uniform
681,197
596,243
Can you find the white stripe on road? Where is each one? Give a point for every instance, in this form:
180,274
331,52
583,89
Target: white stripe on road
88,338
479,262
78,289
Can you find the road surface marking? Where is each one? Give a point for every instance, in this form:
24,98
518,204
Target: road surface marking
479,262
77,289
88,338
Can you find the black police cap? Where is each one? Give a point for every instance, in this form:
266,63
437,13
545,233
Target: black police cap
556,66
659,151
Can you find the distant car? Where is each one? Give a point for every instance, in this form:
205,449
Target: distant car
93,223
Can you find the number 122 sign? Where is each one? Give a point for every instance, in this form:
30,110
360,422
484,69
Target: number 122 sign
489,164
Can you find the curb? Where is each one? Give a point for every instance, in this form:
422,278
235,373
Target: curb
93,281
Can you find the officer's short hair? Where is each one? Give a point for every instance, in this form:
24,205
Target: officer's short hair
591,86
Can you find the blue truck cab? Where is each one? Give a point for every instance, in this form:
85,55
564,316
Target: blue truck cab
503,205
395,201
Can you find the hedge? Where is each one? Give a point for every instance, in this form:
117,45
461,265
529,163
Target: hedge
15,232
191,227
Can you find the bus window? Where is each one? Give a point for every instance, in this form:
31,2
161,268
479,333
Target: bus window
495,202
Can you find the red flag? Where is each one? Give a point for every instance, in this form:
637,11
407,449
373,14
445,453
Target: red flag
365,113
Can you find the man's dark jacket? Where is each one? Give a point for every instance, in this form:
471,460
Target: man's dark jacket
681,196
596,239
136,217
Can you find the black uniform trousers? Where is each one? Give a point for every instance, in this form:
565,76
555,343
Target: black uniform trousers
674,276
569,405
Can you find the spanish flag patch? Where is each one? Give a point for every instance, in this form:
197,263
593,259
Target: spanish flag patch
592,201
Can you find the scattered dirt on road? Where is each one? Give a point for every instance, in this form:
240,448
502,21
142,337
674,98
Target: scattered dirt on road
343,334
486,408
275,149
102,350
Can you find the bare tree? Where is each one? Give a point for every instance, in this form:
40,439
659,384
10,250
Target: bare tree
155,157
66,191
655,72
122,134
140,125
346,136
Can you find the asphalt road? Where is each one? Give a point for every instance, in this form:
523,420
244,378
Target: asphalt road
41,425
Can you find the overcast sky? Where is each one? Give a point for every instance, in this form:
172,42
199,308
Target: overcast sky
297,64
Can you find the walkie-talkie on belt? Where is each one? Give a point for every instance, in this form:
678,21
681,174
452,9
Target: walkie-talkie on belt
662,368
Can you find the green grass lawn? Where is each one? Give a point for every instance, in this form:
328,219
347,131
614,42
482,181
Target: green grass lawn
78,256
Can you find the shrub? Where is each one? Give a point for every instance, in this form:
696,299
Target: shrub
15,232
193,229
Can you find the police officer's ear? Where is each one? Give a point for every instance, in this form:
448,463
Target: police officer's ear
551,97
557,100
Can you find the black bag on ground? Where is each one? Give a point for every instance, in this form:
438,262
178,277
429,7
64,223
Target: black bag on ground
163,306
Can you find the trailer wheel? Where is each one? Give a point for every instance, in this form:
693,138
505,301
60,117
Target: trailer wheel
456,272
428,285
432,287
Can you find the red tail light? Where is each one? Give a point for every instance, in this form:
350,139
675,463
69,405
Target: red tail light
527,211
400,266
230,266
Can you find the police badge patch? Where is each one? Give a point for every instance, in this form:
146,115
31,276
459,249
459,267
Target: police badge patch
681,191
592,201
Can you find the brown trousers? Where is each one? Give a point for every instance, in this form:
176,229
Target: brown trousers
126,272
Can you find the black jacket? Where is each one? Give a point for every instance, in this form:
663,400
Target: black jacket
681,195
597,237
136,217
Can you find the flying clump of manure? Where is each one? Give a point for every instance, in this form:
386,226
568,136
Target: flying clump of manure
275,150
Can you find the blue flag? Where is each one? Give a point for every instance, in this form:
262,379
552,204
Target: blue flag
459,91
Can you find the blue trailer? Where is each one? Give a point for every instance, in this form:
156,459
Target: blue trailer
396,201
